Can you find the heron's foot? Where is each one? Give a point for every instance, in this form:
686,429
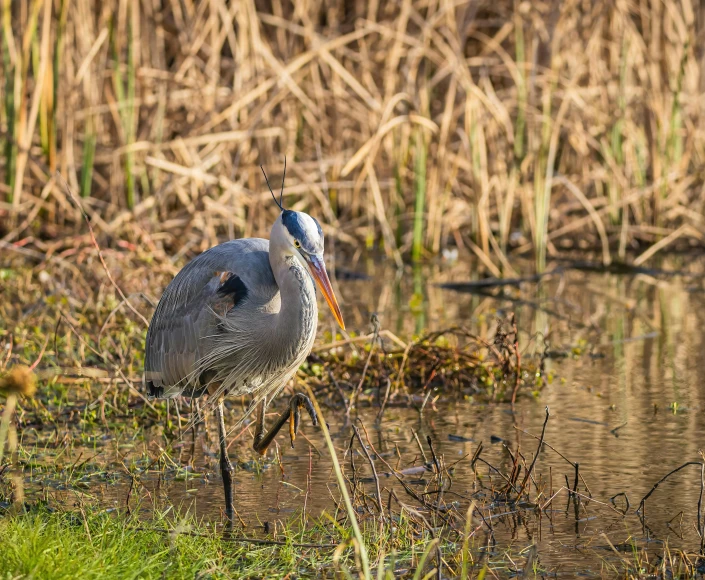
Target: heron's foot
292,415
296,403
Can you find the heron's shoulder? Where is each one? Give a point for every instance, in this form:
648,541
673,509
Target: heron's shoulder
242,246
247,258
243,263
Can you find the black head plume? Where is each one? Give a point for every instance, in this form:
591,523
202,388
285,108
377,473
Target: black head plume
281,193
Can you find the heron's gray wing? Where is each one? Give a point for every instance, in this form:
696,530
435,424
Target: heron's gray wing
187,315
176,338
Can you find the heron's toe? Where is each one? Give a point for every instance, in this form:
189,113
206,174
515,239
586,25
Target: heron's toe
293,426
300,400
296,402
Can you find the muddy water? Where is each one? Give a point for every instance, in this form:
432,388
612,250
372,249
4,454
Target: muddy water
628,408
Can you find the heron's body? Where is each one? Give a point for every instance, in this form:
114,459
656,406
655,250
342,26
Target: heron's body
223,318
239,320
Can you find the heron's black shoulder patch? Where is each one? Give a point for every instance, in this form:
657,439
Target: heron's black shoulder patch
232,285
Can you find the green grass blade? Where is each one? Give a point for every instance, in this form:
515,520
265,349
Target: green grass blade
420,193
88,159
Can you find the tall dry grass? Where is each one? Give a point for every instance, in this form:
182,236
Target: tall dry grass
412,126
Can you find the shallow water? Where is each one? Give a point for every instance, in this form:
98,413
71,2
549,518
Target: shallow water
626,404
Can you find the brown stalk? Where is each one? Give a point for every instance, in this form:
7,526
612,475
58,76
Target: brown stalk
100,253
378,496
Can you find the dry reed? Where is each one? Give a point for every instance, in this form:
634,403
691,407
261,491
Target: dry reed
495,127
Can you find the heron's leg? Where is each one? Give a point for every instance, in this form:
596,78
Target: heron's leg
292,414
259,423
226,468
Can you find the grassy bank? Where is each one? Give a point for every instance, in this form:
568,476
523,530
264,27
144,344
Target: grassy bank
88,543
98,545
411,126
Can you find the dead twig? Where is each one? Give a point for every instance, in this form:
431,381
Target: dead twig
100,253
536,455
374,470
375,322
517,354
664,478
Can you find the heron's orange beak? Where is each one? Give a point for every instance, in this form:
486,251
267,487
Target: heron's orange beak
318,271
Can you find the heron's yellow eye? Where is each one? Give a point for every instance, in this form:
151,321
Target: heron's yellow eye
297,244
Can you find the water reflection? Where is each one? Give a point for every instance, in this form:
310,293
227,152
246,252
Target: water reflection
628,408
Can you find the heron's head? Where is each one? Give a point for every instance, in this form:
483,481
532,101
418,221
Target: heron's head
305,242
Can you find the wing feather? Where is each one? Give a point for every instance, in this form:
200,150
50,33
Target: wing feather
189,311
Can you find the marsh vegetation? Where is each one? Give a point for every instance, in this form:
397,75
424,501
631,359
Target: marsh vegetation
497,410
104,469
412,127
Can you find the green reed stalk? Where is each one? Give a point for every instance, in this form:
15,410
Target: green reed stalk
519,129
43,113
126,106
675,138
617,138
88,158
58,52
672,150
465,552
420,192
417,303
618,147
519,135
364,559
422,561
541,196
398,208
130,114
10,78
6,422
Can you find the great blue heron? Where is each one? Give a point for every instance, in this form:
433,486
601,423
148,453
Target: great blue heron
239,319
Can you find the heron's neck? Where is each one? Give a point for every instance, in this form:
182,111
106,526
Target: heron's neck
298,316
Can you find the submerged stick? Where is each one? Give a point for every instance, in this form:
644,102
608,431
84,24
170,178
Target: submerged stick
433,454
439,475
570,492
352,466
384,402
